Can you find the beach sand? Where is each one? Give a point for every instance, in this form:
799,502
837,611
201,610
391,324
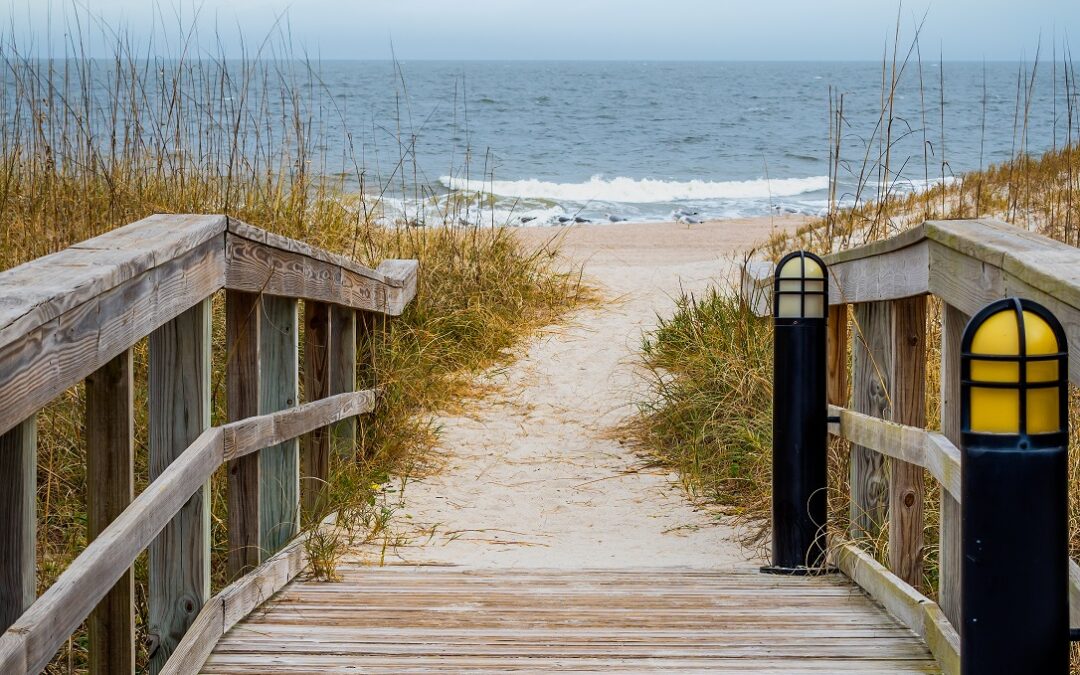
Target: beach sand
533,474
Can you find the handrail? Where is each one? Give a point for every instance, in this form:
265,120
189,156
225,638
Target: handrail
30,642
65,315
966,264
76,316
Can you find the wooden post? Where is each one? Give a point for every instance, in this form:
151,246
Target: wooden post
871,359
952,330
342,369
316,455
242,329
837,385
179,412
18,521
908,394
279,465
110,475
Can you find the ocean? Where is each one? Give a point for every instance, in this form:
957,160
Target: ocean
544,142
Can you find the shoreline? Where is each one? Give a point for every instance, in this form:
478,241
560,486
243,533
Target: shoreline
657,242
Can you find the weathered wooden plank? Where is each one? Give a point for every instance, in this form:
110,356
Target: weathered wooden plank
251,434
391,276
901,273
837,378
342,368
455,619
315,458
39,365
1074,595
242,374
953,322
260,268
914,610
906,489
279,465
36,636
18,521
44,289
179,387
755,286
872,352
236,601
110,470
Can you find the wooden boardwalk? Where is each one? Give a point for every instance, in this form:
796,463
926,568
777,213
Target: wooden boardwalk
406,619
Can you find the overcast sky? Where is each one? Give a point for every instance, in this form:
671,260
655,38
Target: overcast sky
596,29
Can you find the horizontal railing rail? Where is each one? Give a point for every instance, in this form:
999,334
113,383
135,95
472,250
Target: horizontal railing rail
966,264
75,316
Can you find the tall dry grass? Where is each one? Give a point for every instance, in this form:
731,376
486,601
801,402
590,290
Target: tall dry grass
87,145
708,411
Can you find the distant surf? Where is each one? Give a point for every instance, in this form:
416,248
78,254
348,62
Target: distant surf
639,191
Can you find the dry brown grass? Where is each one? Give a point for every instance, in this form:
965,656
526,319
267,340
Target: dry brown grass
87,146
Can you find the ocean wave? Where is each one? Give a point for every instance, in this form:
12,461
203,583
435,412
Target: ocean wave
643,191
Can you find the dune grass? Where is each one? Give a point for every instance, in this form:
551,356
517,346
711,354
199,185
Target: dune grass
710,364
90,145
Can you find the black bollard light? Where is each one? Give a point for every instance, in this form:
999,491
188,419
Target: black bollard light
800,415
1014,506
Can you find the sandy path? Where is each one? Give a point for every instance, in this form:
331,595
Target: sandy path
531,476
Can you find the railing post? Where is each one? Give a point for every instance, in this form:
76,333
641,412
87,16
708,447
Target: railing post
837,388
179,412
315,459
343,375
243,313
279,466
18,520
871,359
952,330
110,469
908,394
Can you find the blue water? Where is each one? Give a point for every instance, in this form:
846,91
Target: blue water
547,142
643,140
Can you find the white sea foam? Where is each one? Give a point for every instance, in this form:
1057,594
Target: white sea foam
643,191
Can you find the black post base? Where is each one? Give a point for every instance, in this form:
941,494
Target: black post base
800,571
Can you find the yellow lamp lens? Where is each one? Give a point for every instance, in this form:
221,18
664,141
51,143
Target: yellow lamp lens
997,410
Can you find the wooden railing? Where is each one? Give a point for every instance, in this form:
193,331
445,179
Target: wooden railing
966,264
75,316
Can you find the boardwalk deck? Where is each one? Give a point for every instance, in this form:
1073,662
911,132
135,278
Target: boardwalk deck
424,619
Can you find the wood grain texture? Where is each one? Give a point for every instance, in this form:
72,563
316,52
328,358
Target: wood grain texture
35,637
251,434
236,601
837,384
906,488
914,445
448,619
18,521
342,368
110,470
279,464
872,352
43,290
913,609
261,268
179,386
41,364
899,273
953,322
315,456
242,368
